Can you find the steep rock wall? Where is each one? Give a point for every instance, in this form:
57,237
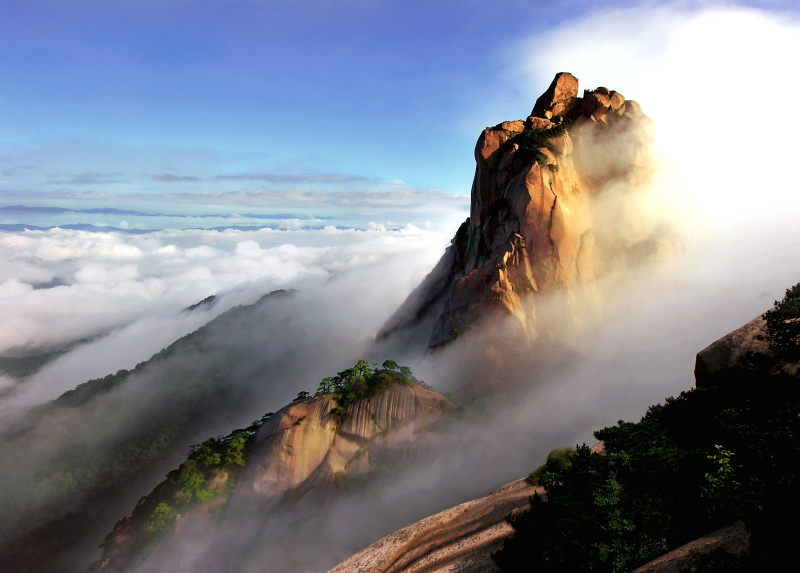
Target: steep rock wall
304,446
531,229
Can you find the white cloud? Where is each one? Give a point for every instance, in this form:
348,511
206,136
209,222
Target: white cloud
134,286
716,80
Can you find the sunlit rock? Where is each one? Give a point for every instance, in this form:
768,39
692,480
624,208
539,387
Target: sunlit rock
532,228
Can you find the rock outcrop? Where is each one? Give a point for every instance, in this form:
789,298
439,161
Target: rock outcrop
304,446
740,349
531,228
461,538
743,352
725,545
304,453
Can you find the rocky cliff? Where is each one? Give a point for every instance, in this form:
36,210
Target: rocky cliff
461,538
533,226
305,453
305,446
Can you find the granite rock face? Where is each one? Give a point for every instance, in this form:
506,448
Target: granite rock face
461,538
532,227
740,349
304,446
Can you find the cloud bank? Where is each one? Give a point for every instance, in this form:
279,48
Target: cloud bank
137,285
731,187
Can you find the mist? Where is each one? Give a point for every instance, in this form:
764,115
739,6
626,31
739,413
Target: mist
727,188
235,371
706,77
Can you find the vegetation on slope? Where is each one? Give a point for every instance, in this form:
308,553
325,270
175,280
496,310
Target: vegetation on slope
530,142
84,479
209,475
700,461
364,381
783,326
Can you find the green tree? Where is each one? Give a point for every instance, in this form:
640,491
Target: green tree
783,326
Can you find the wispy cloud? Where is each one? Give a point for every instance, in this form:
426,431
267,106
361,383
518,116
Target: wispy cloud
390,195
82,181
170,178
289,178
102,280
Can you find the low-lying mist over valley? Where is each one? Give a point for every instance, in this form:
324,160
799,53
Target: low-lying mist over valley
174,318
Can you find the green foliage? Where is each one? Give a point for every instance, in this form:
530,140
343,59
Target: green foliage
363,381
557,460
666,481
162,516
722,492
340,480
530,142
584,525
302,396
783,326
207,476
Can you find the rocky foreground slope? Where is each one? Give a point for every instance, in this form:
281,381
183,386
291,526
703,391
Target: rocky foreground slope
537,224
463,538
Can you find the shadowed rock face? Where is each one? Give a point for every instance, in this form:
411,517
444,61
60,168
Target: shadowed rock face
731,541
743,349
460,539
743,352
531,228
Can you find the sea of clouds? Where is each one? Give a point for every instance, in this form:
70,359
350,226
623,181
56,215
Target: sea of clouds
124,294
718,83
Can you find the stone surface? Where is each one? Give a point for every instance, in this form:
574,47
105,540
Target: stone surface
558,97
531,231
737,349
744,353
290,446
304,445
460,539
733,540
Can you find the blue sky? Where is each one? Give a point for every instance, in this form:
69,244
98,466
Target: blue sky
106,100
367,87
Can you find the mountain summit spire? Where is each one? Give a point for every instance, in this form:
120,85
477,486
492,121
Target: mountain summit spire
533,226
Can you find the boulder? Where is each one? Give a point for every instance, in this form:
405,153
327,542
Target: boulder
742,349
559,96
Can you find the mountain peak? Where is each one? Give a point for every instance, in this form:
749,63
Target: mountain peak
536,207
